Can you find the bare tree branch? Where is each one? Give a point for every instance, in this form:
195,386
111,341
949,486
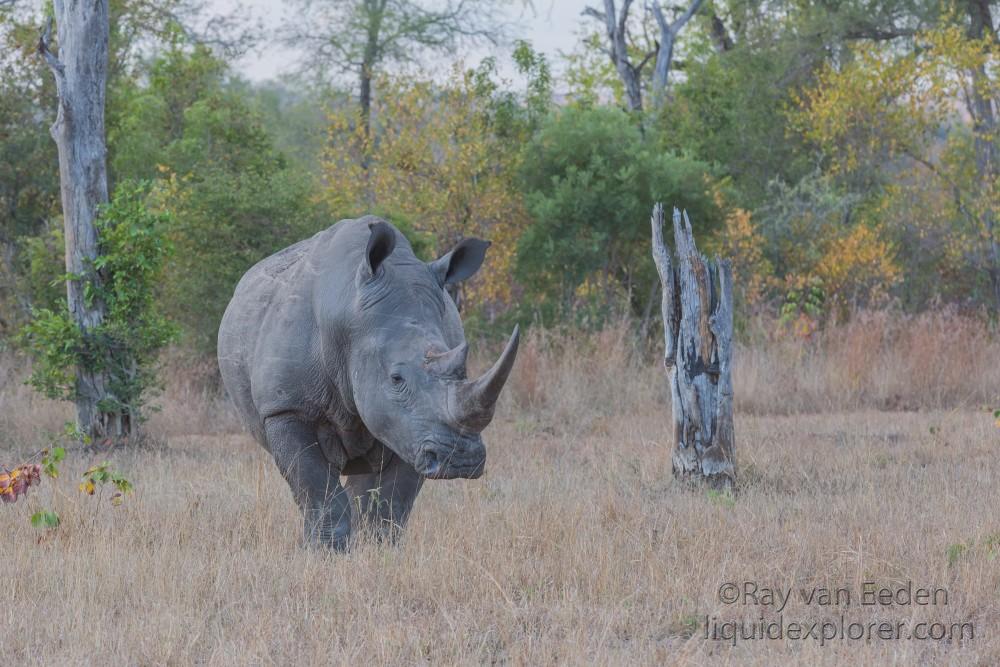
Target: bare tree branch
616,26
668,38
50,58
359,36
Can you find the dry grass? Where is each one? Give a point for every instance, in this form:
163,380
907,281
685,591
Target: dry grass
877,360
577,547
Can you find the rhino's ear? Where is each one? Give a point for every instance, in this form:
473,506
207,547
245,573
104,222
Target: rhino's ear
459,264
380,245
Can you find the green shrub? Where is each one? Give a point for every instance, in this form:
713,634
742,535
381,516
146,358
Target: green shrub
125,345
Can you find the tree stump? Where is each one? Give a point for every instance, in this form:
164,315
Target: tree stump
698,335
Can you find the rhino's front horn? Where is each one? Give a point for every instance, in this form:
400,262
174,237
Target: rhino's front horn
477,398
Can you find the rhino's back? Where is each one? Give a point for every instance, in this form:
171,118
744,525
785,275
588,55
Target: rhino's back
270,281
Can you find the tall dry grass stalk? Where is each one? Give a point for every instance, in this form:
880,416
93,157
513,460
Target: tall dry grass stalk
576,547
877,360
27,419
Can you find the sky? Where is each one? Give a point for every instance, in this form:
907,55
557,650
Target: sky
551,27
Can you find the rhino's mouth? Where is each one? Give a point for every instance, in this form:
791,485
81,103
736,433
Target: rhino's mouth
465,458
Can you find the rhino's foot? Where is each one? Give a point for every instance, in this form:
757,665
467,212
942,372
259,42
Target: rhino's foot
380,530
330,537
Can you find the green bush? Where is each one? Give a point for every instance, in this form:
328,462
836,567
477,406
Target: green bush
590,179
133,249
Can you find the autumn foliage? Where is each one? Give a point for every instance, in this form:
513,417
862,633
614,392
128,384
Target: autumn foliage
915,130
435,165
15,483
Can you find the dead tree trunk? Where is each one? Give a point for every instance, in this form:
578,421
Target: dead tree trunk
80,71
698,334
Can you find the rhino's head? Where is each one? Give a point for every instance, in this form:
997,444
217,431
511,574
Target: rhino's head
408,356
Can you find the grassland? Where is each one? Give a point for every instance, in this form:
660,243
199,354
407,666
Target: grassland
867,455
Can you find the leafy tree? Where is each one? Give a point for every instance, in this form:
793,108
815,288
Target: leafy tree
889,116
742,243
589,76
232,196
294,116
29,178
821,238
590,182
362,36
730,111
441,163
42,260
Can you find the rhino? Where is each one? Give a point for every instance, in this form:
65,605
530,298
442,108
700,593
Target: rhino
346,358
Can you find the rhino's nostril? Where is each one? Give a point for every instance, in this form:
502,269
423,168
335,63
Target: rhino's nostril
432,464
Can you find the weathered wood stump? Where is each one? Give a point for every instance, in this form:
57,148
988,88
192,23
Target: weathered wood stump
698,335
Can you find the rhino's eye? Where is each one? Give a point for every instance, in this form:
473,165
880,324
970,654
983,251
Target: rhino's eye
396,379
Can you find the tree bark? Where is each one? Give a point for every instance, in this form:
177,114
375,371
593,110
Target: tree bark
80,71
616,25
698,335
985,133
665,55
365,100
374,11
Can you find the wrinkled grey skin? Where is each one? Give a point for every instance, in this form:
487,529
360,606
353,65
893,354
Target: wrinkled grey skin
345,355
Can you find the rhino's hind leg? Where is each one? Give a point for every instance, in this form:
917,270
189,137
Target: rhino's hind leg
384,499
315,482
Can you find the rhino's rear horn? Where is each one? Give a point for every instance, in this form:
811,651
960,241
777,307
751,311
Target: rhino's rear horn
450,363
477,398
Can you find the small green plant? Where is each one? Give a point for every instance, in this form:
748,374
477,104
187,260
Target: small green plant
721,498
98,475
989,546
992,545
938,435
45,519
955,551
804,308
881,461
687,625
16,483
51,460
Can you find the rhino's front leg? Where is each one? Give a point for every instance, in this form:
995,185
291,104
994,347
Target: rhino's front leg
385,498
314,480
